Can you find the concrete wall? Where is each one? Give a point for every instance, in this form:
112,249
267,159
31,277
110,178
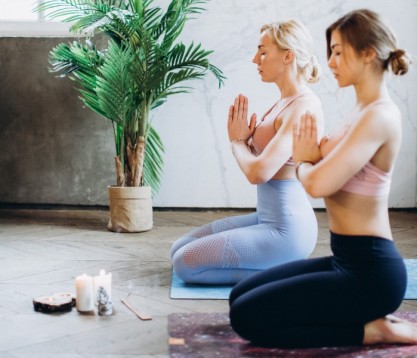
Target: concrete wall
54,151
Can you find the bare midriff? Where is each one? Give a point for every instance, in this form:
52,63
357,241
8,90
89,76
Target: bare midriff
353,214
286,172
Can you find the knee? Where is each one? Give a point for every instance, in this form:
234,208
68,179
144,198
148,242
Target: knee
183,271
175,247
251,325
239,322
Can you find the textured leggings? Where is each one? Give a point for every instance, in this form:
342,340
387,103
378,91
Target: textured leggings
321,301
284,228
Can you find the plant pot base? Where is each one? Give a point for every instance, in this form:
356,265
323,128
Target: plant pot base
130,209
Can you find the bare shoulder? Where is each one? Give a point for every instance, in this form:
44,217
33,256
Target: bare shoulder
384,117
309,102
309,98
385,110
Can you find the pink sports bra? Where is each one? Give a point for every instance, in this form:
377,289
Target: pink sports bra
370,180
265,130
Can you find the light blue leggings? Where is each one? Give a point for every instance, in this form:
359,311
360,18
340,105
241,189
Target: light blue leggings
283,229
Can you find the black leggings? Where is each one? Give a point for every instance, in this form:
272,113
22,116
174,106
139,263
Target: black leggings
321,301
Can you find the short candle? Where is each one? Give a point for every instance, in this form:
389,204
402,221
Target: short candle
84,293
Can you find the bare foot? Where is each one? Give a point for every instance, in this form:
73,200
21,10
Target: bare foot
390,329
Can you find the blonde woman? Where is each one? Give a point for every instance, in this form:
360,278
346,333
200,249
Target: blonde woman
347,298
284,226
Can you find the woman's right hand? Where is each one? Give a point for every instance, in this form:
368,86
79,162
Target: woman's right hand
305,143
237,124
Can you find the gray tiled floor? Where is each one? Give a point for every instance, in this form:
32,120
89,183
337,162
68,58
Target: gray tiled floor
42,251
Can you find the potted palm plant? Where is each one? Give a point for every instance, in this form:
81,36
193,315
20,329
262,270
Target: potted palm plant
127,61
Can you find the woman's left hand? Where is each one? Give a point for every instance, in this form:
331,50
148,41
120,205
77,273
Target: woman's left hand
237,124
305,141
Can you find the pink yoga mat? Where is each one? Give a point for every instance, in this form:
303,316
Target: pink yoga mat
209,335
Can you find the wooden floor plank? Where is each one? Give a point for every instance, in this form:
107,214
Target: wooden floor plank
42,251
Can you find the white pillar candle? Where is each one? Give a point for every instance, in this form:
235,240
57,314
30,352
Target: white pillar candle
84,289
102,280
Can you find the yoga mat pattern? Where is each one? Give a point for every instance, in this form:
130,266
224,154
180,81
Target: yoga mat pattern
209,335
181,290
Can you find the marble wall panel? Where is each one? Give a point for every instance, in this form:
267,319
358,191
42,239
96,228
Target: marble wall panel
54,151
198,156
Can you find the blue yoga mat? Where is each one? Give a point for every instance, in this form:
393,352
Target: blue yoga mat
411,293
182,290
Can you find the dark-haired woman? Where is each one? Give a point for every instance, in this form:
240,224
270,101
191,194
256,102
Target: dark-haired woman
347,298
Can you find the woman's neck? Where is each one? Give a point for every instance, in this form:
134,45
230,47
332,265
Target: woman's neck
370,89
291,89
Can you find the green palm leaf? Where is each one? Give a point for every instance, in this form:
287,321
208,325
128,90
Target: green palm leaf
139,68
154,165
113,84
67,10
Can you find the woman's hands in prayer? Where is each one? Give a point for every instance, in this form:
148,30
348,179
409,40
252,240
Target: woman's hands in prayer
305,142
237,124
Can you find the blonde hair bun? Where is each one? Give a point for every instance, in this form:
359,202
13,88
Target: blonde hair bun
293,35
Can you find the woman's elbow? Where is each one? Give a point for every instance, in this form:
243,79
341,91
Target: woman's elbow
256,179
317,189
313,192
313,188
256,176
